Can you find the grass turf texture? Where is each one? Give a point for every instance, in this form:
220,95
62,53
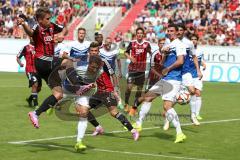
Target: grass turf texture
208,141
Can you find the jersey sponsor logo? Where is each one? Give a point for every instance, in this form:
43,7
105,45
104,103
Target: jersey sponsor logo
138,51
48,38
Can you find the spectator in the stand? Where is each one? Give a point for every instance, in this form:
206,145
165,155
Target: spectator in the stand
151,36
196,22
157,28
230,23
9,26
194,13
128,36
220,37
17,32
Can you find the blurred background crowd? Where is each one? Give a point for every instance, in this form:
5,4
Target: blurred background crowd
216,22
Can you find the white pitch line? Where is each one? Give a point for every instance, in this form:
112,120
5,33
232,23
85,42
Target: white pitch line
147,154
119,131
122,152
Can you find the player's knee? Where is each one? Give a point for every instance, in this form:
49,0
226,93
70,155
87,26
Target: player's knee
82,111
198,93
191,90
58,95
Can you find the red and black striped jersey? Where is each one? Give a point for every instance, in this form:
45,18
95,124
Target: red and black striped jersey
44,39
104,83
28,52
139,52
155,60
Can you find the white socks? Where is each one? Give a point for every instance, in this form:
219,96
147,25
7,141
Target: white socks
143,112
198,105
193,106
172,116
82,126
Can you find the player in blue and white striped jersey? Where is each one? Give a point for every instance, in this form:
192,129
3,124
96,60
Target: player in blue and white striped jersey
78,49
196,81
109,53
172,60
190,67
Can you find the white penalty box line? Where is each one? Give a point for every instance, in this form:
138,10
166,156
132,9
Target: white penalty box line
117,131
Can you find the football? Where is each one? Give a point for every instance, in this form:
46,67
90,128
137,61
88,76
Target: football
183,96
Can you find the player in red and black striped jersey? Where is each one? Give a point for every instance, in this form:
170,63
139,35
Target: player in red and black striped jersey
105,95
156,67
137,52
45,62
35,81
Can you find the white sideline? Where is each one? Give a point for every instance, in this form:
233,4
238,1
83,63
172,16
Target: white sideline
123,152
119,131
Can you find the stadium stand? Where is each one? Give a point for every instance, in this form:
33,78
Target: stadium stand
216,22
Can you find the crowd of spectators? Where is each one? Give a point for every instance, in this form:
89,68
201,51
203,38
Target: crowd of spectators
62,13
216,22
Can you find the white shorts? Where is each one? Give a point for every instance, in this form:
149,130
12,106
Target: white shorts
171,96
82,100
187,80
198,84
161,87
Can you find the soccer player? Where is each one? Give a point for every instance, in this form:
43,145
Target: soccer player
190,71
137,53
111,55
155,64
45,62
99,39
78,50
105,95
172,59
35,81
196,81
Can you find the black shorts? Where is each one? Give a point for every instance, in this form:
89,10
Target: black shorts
136,78
49,66
102,98
34,78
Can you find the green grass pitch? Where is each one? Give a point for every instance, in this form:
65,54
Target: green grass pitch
217,137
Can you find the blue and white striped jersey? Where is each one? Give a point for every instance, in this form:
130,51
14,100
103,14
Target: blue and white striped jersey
78,50
188,66
177,48
110,56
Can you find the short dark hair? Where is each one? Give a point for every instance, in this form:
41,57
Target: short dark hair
161,39
181,25
81,29
173,25
95,59
41,12
94,44
194,35
140,28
